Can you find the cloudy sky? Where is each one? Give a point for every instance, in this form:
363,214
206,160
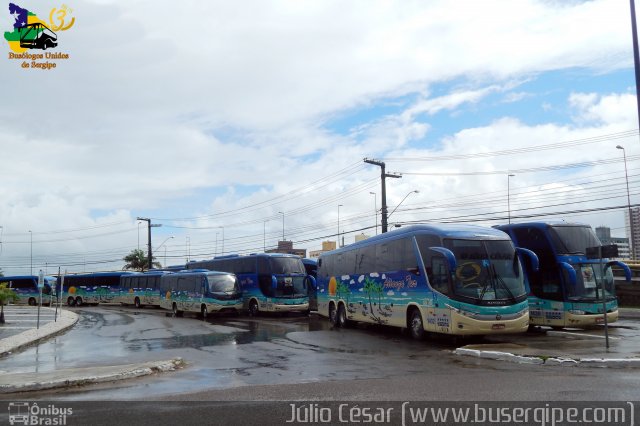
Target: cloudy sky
222,120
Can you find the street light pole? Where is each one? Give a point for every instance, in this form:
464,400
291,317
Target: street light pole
165,249
31,249
338,245
626,177
375,209
509,176
149,226
383,175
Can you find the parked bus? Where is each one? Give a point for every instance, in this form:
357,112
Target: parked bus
270,282
92,288
566,290
311,267
141,289
451,279
200,291
26,287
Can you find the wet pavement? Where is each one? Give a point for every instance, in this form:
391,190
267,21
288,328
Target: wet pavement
231,352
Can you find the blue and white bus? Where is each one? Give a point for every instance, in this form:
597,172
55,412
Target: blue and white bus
91,288
270,282
566,290
451,279
200,291
26,287
141,289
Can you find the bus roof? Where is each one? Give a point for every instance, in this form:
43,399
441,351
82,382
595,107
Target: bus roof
444,230
541,224
24,277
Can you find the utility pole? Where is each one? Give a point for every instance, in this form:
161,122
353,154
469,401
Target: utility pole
636,55
149,226
383,175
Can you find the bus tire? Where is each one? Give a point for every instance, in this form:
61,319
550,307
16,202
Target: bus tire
71,301
136,302
78,301
254,309
204,312
174,309
32,301
415,325
333,315
341,319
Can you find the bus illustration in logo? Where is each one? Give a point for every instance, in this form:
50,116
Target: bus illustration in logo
18,413
31,32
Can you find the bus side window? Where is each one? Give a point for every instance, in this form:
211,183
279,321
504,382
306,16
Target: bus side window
439,275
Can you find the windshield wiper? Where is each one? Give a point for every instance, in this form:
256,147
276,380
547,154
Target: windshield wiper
494,279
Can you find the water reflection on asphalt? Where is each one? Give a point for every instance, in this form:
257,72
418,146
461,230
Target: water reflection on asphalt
222,352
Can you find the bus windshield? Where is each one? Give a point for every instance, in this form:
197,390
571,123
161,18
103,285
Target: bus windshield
286,265
573,239
486,270
588,286
223,283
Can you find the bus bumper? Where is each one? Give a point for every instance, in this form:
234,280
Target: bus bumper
579,321
464,325
279,307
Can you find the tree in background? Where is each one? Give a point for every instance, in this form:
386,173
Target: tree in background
137,260
6,295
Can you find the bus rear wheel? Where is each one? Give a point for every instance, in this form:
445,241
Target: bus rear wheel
78,301
333,315
71,301
415,325
204,312
341,319
136,302
32,301
254,309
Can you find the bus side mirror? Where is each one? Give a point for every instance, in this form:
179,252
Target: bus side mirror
448,254
319,263
569,269
624,266
312,280
535,263
274,281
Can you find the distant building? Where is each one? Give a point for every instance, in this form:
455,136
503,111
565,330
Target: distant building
326,246
632,223
604,235
286,247
361,237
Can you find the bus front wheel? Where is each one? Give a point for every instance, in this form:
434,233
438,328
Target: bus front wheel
333,315
71,301
136,302
32,301
204,312
342,317
253,308
415,325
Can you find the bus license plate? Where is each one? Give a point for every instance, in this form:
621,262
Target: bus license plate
599,320
497,326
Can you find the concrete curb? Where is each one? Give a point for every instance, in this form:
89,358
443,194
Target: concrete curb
66,320
29,382
541,360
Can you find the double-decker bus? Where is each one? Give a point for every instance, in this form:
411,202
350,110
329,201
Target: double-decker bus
141,289
270,282
451,279
91,288
200,291
26,287
566,290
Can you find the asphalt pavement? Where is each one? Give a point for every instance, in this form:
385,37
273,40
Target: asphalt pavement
571,347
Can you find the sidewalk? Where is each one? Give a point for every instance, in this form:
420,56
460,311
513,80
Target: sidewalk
19,331
570,347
